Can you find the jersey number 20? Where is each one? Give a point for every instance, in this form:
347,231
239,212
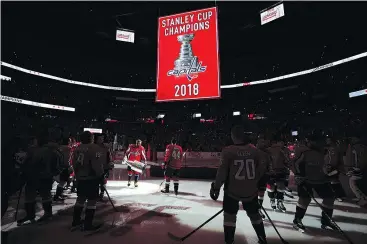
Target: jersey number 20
250,169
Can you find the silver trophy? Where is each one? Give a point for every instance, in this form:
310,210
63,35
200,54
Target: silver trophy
186,59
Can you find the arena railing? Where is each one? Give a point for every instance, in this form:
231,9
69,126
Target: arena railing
36,104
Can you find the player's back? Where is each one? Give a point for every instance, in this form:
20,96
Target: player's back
47,159
105,154
313,166
65,150
174,156
87,162
356,157
333,157
245,170
279,160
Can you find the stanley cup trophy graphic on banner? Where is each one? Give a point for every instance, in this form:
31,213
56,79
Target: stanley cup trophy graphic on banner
186,59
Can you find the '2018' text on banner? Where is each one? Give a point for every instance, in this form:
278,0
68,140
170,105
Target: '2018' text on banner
188,56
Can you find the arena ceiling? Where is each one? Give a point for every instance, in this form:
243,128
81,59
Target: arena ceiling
78,38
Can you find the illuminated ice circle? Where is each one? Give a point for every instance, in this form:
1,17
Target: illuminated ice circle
120,188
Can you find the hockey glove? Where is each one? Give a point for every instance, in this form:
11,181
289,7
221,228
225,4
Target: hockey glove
214,193
163,165
70,169
333,172
355,174
111,166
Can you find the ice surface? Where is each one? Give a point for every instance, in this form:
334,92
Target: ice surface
146,215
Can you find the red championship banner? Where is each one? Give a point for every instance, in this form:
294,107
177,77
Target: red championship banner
188,56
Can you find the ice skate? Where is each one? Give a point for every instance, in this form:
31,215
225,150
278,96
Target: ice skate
44,219
73,189
273,205
136,184
76,226
166,189
328,224
128,183
298,225
88,227
362,203
175,188
58,198
91,228
30,217
262,240
281,207
101,197
26,221
288,194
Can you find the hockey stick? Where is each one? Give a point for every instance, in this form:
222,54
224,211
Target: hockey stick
16,211
288,195
275,228
109,198
329,218
160,185
176,238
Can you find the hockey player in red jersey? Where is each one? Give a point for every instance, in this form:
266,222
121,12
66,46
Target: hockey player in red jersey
311,174
135,152
278,170
172,165
242,167
73,145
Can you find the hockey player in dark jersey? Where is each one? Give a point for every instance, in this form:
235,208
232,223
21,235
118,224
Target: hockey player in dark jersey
335,165
107,162
88,168
41,165
278,170
262,144
311,174
356,165
288,154
242,166
65,170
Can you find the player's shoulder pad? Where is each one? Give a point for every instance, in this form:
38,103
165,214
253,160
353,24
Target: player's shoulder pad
228,148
